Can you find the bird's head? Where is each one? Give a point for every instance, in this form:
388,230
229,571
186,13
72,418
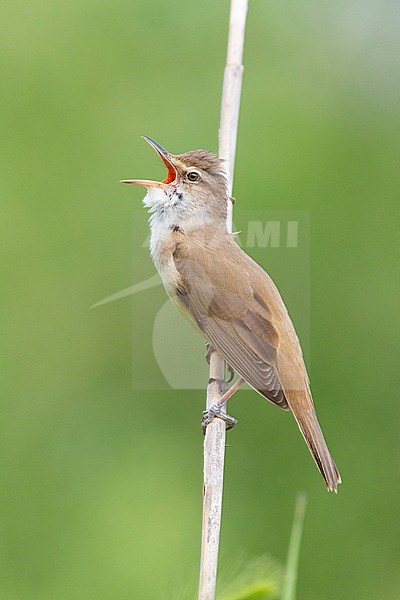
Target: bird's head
195,183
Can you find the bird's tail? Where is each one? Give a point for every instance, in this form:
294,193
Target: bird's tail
309,427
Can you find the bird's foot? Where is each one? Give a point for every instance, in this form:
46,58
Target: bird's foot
215,411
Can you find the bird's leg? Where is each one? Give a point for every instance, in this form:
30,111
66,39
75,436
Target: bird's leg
209,351
231,373
216,409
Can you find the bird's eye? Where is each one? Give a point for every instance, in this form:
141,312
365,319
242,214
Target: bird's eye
193,176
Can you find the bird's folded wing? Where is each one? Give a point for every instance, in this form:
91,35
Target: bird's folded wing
233,316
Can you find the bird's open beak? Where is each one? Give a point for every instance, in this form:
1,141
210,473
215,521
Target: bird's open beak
172,175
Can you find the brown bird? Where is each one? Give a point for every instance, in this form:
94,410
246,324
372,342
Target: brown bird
225,294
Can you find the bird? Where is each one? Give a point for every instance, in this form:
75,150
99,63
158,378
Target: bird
225,294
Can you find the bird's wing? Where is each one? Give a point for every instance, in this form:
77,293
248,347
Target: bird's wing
233,316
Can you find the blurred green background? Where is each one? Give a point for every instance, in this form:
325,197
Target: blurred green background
101,481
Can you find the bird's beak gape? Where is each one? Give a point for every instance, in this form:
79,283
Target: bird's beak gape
172,174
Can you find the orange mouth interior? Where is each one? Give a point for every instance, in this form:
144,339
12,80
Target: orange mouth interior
171,174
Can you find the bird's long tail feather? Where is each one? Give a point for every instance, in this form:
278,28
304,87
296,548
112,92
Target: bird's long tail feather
311,430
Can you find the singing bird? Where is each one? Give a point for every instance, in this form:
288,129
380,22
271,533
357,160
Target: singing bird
225,294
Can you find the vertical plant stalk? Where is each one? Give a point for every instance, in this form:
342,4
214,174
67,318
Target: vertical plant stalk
292,563
214,442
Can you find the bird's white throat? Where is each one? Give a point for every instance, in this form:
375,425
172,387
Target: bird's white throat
169,209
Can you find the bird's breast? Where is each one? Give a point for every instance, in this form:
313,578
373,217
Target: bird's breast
162,252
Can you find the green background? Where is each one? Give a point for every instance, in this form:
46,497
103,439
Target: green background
101,481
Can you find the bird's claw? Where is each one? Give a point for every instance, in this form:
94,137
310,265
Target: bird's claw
213,412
